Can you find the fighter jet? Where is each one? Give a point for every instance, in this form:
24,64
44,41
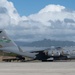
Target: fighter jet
36,53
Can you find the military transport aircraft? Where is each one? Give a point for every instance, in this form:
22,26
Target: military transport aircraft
36,53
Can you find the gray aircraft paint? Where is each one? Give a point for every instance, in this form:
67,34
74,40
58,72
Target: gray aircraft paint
7,44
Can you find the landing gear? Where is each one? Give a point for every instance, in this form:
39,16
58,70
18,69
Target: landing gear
44,60
63,58
18,58
21,58
41,56
47,60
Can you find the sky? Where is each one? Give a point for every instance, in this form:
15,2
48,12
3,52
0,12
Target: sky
27,7
31,20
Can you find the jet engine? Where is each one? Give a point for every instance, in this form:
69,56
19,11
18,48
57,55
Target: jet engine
53,53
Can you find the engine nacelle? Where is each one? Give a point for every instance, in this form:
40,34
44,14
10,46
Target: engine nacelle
65,53
53,53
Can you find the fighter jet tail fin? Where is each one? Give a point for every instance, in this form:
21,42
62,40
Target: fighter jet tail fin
5,40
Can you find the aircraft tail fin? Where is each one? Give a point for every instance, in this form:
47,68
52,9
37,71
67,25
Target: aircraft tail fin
5,41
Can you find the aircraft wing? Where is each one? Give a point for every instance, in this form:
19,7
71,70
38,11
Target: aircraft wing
34,49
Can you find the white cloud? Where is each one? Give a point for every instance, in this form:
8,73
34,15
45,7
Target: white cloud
52,22
52,8
11,11
58,13
4,20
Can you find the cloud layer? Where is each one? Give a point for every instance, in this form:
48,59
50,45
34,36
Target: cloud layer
51,22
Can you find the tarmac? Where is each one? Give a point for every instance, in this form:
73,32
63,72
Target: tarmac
37,68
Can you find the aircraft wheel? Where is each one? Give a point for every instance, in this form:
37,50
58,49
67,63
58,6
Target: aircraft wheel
44,60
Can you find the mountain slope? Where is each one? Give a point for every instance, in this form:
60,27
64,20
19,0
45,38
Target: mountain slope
47,43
